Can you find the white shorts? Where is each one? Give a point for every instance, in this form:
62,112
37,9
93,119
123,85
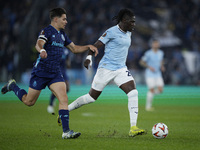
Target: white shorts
104,76
154,82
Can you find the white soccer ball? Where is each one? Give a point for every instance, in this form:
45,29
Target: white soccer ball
160,130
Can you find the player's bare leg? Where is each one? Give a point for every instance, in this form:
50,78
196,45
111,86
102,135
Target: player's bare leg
28,99
59,90
50,108
31,97
130,89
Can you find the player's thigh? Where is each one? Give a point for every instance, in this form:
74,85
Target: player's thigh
59,90
160,83
102,78
151,82
124,76
32,96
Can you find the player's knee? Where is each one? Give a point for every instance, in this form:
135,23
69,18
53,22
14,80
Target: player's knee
133,93
30,103
152,91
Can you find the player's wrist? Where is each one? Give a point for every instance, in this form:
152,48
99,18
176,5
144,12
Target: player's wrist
89,57
42,50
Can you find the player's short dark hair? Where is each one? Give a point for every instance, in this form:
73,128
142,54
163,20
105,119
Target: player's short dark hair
122,13
56,12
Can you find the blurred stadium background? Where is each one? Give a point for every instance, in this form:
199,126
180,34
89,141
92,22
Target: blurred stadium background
174,23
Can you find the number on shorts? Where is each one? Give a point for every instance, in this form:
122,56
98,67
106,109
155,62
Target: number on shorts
129,73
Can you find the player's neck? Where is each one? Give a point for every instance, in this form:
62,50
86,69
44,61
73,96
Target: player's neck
122,28
155,49
55,26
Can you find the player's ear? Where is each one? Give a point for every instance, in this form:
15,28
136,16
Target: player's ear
55,19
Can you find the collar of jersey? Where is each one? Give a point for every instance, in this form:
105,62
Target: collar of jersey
55,29
121,29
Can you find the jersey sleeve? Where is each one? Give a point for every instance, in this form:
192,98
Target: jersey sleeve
44,35
107,36
67,40
145,57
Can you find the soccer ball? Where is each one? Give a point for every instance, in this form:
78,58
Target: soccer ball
160,130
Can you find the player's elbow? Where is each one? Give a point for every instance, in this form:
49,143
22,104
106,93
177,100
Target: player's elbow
74,51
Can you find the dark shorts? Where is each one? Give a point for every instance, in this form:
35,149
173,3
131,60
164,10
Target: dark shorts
65,76
39,83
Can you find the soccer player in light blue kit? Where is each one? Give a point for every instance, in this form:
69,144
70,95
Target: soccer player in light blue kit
112,67
47,72
153,62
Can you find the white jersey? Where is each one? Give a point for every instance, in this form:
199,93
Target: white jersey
117,43
153,59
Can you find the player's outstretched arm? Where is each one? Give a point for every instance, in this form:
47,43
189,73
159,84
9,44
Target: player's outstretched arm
79,49
39,47
88,61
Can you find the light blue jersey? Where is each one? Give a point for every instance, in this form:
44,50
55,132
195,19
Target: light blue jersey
153,59
117,43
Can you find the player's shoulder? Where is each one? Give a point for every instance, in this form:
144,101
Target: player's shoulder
161,51
112,29
47,28
46,31
149,51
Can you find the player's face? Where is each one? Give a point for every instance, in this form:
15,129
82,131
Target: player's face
129,23
155,45
62,21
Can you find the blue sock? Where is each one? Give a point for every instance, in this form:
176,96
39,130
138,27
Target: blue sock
18,92
52,98
64,115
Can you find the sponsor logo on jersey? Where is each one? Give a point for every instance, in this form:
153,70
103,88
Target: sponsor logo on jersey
54,43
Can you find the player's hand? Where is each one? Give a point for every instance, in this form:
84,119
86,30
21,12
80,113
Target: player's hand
162,68
93,49
151,68
43,54
87,63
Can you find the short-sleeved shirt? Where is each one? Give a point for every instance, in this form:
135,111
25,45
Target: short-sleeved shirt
153,59
117,43
55,42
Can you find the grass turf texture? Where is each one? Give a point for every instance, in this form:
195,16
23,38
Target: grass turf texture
104,124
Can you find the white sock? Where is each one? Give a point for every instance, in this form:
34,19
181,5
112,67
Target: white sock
85,99
133,106
149,99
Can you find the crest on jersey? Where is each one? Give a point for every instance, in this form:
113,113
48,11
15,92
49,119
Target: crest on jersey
62,36
104,34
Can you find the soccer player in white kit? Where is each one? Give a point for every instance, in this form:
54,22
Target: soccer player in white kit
153,62
112,67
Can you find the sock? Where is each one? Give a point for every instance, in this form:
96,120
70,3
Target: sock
64,115
52,98
149,99
18,92
133,106
85,99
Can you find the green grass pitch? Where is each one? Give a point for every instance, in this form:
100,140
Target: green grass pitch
104,124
